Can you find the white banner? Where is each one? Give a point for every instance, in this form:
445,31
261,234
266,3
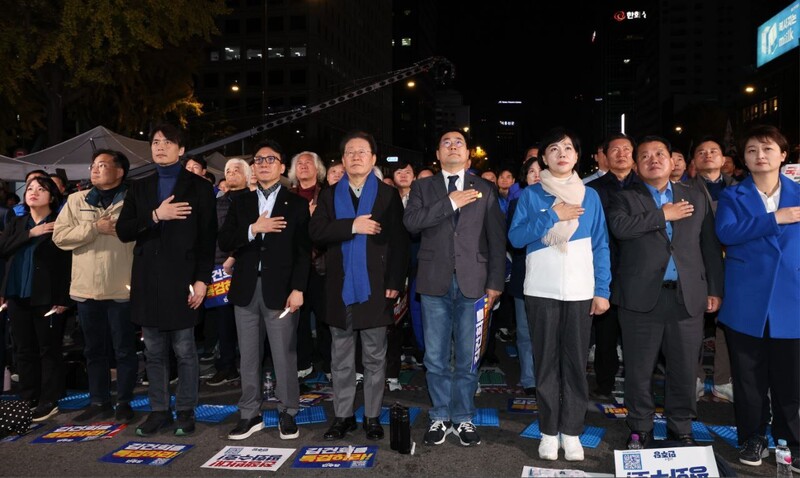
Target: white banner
249,458
690,461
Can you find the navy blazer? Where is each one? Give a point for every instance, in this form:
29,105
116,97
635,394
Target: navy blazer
762,262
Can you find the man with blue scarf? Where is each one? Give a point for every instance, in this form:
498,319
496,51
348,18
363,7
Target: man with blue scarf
360,221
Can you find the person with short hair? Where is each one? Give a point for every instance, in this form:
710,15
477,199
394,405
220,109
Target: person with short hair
758,220
561,224
669,273
266,231
461,259
101,278
359,220
170,216
37,293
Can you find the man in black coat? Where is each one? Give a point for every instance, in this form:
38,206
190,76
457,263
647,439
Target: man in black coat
171,216
360,221
266,231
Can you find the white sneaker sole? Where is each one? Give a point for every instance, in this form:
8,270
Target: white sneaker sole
289,437
248,433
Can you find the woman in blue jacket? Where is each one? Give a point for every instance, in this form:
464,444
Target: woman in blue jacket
759,222
561,224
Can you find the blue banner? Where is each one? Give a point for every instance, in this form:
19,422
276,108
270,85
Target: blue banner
778,35
141,453
336,457
217,291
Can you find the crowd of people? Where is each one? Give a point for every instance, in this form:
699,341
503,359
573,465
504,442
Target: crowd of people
632,262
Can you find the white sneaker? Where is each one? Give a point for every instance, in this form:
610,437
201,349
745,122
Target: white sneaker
305,372
548,447
724,391
700,388
394,384
573,450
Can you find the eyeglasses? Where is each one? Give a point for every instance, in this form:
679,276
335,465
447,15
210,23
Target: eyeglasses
452,142
267,159
159,142
99,166
358,152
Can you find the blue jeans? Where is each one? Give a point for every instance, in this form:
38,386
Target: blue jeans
450,319
157,344
101,320
527,378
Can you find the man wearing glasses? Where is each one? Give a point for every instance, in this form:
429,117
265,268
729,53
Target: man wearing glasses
360,220
266,231
101,277
171,217
461,258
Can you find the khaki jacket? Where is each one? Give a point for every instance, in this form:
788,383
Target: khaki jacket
101,264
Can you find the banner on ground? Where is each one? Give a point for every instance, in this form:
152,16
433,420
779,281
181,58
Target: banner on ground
336,457
666,462
251,458
75,433
141,453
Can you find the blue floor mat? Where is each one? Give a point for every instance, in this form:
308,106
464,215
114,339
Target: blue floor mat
74,401
591,438
305,416
214,413
486,417
700,431
141,403
728,434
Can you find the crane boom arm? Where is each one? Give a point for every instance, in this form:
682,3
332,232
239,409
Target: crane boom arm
392,77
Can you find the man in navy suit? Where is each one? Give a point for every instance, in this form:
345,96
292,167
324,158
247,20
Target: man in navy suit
461,258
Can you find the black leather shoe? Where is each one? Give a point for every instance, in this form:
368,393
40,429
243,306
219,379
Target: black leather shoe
373,428
681,439
638,440
340,427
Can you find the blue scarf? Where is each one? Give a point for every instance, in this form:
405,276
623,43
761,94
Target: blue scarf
356,287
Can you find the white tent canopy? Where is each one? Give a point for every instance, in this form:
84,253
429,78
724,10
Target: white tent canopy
74,155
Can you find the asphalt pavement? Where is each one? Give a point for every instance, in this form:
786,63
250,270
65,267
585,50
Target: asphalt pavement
502,452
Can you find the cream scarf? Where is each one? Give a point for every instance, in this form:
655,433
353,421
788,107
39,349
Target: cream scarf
570,191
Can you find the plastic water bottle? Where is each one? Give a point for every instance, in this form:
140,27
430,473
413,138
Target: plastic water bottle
269,386
783,457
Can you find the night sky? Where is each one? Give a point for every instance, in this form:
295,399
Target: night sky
534,51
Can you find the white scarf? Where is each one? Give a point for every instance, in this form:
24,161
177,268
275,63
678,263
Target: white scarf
569,191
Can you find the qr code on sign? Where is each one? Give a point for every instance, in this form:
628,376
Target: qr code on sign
631,461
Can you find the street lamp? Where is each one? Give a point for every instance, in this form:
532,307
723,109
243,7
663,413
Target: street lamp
411,84
749,89
235,87
678,129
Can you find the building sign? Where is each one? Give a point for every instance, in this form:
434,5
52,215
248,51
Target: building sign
778,35
621,15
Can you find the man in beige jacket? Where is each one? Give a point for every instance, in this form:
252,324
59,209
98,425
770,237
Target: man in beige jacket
101,277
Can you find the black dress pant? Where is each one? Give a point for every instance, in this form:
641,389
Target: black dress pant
37,341
759,364
606,361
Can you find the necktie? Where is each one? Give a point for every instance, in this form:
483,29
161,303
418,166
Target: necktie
451,186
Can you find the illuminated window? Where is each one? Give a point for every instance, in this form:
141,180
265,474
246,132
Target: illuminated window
297,52
278,52
253,53
405,41
232,53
